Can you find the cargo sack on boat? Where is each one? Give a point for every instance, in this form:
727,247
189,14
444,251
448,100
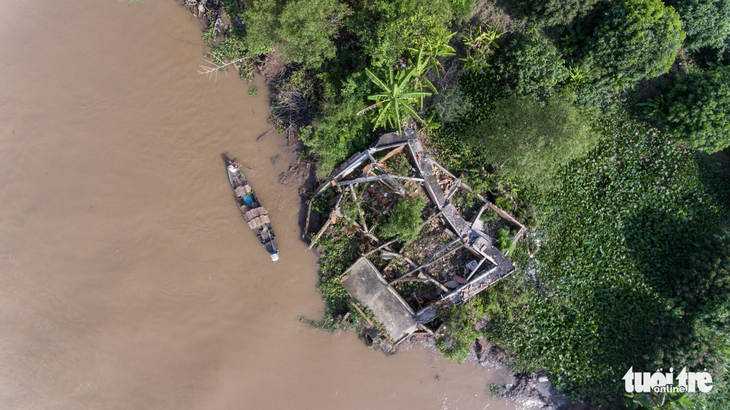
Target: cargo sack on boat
242,190
258,221
250,215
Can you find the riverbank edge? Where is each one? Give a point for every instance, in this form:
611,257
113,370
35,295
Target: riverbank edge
529,390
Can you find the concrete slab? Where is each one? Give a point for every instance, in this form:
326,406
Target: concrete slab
368,286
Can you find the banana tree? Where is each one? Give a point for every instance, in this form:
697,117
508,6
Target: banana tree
479,45
435,48
420,81
396,99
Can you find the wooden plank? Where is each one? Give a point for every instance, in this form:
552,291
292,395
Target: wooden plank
453,189
430,218
391,153
376,178
379,248
504,214
445,170
476,268
479,214
443,248
321,231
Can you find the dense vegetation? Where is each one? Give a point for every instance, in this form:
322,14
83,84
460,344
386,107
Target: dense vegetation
639,229
404,220
591,121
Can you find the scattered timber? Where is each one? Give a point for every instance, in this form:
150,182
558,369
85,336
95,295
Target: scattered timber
470,239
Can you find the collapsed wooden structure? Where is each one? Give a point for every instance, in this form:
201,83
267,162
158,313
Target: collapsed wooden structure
363,280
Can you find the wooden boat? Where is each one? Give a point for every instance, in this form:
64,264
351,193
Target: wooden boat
253,212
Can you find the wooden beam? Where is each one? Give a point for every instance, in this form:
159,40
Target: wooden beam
445,170
362,314
376,178
309,213
454,189
479,214
321,231
391,153
504,214
443,248
476,268
430,218
389,146
378,248
331,218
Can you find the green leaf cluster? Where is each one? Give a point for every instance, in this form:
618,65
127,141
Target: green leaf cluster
698,109
529,139
302,29
706,22
404,220
635,39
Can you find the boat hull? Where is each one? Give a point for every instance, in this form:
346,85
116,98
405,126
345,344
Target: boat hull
255,215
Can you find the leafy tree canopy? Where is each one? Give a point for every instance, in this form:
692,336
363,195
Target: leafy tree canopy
698,109
635,39
707,22
531,65
560,12
302,28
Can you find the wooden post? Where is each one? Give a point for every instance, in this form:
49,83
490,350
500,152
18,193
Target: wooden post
306,224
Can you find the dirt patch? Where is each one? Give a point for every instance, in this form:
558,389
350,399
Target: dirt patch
273,67
492,15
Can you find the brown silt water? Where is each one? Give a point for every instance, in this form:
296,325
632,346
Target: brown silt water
128,279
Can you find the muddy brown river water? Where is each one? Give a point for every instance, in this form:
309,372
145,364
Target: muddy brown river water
128,279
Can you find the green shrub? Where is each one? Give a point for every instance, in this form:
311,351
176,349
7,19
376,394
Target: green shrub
338,253
560,12
635,39
459,332
404,220
504,241
386,28
698,109
531,65
707,22
335,134
531,139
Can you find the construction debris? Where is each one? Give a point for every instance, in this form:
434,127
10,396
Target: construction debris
458,258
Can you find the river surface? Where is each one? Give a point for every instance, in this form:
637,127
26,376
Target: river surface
128,279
